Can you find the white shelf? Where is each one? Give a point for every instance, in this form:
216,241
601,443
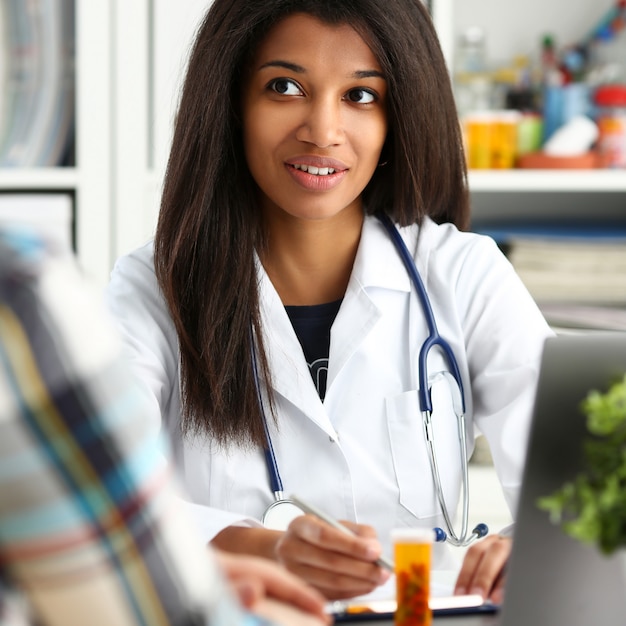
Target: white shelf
46,178
547,180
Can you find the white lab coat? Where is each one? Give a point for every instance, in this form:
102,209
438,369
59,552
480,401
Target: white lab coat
360,455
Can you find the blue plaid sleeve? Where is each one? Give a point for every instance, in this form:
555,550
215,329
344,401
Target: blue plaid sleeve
89,521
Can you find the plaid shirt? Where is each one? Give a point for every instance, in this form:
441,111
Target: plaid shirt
89,527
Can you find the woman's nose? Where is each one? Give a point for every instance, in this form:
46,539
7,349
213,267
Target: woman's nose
322,124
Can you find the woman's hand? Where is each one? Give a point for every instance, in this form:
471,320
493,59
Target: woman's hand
483,570
339,565
255,580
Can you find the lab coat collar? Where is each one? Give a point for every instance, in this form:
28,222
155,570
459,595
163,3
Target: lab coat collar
377,262
291,378
377,265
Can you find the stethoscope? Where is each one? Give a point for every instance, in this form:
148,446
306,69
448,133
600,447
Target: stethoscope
282,511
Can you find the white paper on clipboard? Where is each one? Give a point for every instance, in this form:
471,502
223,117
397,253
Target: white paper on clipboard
381,603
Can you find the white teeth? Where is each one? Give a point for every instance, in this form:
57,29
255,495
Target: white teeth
316,171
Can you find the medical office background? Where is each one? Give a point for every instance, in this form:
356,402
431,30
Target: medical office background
88,91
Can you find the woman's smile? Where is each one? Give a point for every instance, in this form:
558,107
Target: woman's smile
316,174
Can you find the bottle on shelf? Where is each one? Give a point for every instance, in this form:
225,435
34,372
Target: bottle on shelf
472,81
521,95
610,103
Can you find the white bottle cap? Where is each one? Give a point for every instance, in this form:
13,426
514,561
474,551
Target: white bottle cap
572,139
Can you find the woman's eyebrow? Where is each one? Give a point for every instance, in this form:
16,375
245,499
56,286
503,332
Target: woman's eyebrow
285,64
298,69
369,74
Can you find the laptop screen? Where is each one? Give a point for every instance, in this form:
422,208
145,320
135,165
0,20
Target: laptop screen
552,578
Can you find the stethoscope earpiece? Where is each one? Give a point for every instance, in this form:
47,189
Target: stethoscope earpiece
480,530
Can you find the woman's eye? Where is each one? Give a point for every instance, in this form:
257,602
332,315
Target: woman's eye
361,96
285,87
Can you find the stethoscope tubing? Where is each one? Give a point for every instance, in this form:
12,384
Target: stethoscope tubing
425,401
276,482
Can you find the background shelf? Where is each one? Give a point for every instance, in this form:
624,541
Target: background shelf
39,178
548,180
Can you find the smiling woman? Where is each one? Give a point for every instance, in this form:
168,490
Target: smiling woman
273,322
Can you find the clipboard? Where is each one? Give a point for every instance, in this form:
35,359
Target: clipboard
384,609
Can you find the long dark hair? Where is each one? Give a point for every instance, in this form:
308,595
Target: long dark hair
209,227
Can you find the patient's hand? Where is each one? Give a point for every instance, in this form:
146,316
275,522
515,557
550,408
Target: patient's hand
287,614
267,588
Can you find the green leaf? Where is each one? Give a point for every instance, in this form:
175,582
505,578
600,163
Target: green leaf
592,506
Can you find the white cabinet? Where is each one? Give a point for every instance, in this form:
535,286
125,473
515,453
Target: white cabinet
130,59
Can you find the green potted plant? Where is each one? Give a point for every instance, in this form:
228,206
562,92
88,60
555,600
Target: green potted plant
592,506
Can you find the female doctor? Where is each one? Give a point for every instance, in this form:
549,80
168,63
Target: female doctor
273,321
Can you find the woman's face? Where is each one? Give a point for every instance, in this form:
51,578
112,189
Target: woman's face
314,118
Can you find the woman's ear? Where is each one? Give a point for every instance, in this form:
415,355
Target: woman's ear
385,153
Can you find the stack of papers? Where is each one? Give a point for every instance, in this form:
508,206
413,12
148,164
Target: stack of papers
36,82
581,270
576,272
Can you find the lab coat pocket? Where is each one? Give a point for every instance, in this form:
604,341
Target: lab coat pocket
410,452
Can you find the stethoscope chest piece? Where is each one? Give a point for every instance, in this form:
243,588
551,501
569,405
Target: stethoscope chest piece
280,514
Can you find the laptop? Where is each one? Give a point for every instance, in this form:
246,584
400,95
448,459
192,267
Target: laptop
553,579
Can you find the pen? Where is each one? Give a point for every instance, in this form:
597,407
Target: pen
309,508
